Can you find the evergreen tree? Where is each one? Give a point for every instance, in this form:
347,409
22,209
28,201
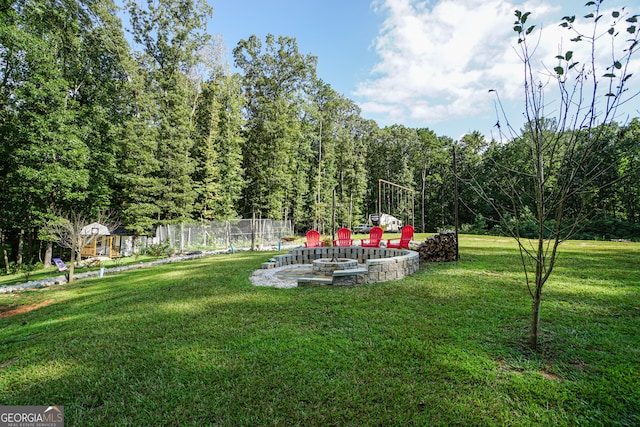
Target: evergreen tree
137,179
100,77
206,177
350,163
217,150
230,143
171,34
274,82
318,128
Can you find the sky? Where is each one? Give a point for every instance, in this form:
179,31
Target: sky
419,63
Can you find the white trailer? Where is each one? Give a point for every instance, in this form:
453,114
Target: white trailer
389,223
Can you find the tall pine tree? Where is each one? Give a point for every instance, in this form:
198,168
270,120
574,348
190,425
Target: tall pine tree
171,34
276,77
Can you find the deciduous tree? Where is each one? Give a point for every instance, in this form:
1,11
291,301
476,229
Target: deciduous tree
561,147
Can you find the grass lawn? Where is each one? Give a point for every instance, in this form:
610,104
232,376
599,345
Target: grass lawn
195,343
44,273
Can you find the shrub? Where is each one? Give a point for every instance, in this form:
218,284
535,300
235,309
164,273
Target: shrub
479,226
158,250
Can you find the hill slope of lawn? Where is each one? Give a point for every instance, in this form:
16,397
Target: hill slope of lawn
196,344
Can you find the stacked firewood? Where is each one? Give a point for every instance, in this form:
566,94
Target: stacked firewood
439,248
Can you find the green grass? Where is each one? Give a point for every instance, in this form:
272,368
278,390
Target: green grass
45,273
195,343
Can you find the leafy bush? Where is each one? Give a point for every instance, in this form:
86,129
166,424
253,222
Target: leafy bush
14,268
479,226
158,250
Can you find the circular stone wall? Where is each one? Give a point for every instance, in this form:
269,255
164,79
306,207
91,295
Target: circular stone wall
379,264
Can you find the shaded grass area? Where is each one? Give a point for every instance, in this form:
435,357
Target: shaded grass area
45,273
196,344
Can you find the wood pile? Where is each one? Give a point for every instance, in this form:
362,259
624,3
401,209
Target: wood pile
439,248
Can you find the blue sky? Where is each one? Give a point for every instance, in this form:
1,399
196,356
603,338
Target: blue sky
414,62
339,33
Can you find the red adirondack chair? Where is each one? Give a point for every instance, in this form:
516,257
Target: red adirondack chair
375,236
313,239
344,238
405,238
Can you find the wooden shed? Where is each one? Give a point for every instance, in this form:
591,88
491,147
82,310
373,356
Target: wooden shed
101,242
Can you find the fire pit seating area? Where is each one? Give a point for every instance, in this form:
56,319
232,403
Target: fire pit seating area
351,265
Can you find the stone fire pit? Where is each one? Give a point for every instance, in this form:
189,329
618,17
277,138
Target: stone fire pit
345,266
326,266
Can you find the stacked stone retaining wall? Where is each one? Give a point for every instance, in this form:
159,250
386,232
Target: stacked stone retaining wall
382,264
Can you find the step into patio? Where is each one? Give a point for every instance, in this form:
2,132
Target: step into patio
340,278
315,281
348,277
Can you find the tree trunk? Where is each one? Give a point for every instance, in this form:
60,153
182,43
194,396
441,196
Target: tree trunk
535,318
72,265
29,248
6,260
423,191
75,247
48,254
537,298
20,248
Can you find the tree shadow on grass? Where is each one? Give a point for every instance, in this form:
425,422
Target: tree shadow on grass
200,345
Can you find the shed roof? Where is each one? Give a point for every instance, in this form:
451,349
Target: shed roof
95,228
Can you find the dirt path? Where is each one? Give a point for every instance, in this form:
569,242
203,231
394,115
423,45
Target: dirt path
25,309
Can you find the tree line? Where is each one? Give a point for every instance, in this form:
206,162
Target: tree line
160,130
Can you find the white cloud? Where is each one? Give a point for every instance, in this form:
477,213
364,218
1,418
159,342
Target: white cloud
438,59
